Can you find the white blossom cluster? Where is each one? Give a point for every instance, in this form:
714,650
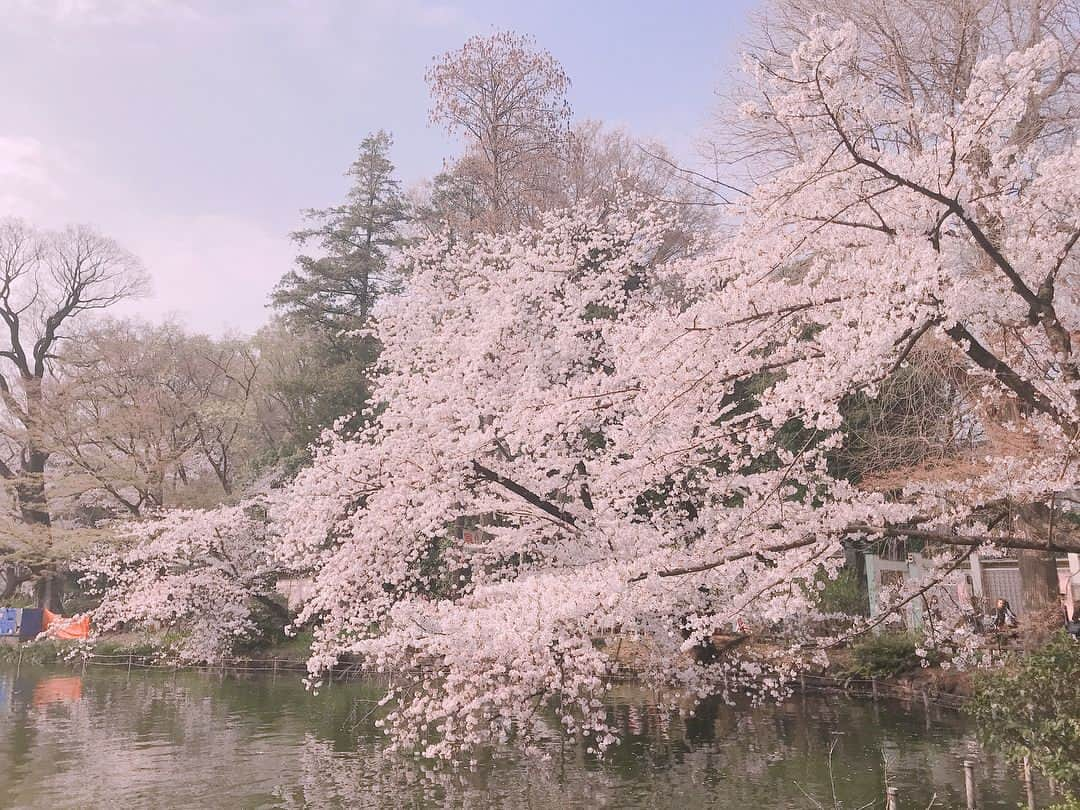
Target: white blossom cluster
197,574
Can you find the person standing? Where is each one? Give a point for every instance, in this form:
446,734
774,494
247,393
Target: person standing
1004,618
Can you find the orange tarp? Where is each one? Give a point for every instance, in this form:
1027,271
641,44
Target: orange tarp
56,626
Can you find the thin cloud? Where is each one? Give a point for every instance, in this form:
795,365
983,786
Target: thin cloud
106,12
213,271
29,178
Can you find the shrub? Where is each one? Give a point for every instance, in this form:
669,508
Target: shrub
885,655
1032,709
844,594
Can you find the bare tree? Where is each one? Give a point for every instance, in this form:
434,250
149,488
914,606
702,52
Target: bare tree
225,422
509,100
525,156
125,413
150,416
48,281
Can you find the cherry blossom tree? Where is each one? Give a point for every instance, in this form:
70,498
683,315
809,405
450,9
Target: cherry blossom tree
200,574
953,181
579,440
511,406
629,463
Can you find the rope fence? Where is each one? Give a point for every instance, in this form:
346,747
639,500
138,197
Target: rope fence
857,687
137,661
874,688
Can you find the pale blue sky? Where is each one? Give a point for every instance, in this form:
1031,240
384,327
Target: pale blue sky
193,131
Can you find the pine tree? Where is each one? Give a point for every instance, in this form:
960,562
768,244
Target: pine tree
336,290
333,289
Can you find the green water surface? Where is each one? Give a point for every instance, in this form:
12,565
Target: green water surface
106,738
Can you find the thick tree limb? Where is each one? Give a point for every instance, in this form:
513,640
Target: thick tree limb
1005,375
525,494
1067,545
1063,545
1040,302
733,557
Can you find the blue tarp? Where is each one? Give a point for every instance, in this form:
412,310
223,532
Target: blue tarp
9,621
31,623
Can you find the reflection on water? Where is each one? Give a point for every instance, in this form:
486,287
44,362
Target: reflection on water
58,689
107,739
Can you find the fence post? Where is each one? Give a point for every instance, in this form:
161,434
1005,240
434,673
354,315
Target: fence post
969,783
1029,785
891,801
129,665
873,687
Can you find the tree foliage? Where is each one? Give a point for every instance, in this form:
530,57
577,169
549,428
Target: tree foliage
1031,709
335,290
332,294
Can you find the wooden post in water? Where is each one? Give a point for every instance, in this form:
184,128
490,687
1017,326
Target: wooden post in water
129,665
969,783
1029,785
873,687
891,801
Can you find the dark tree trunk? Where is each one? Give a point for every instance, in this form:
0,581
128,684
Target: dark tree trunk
11,582
222,472
49,592
30,489
1040,603
34,508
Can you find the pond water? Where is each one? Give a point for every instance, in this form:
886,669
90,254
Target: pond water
107,738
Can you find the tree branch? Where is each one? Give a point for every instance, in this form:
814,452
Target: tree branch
1009,378
525,494
1010,541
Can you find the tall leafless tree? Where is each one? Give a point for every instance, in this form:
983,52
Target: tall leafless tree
508,98
48,283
